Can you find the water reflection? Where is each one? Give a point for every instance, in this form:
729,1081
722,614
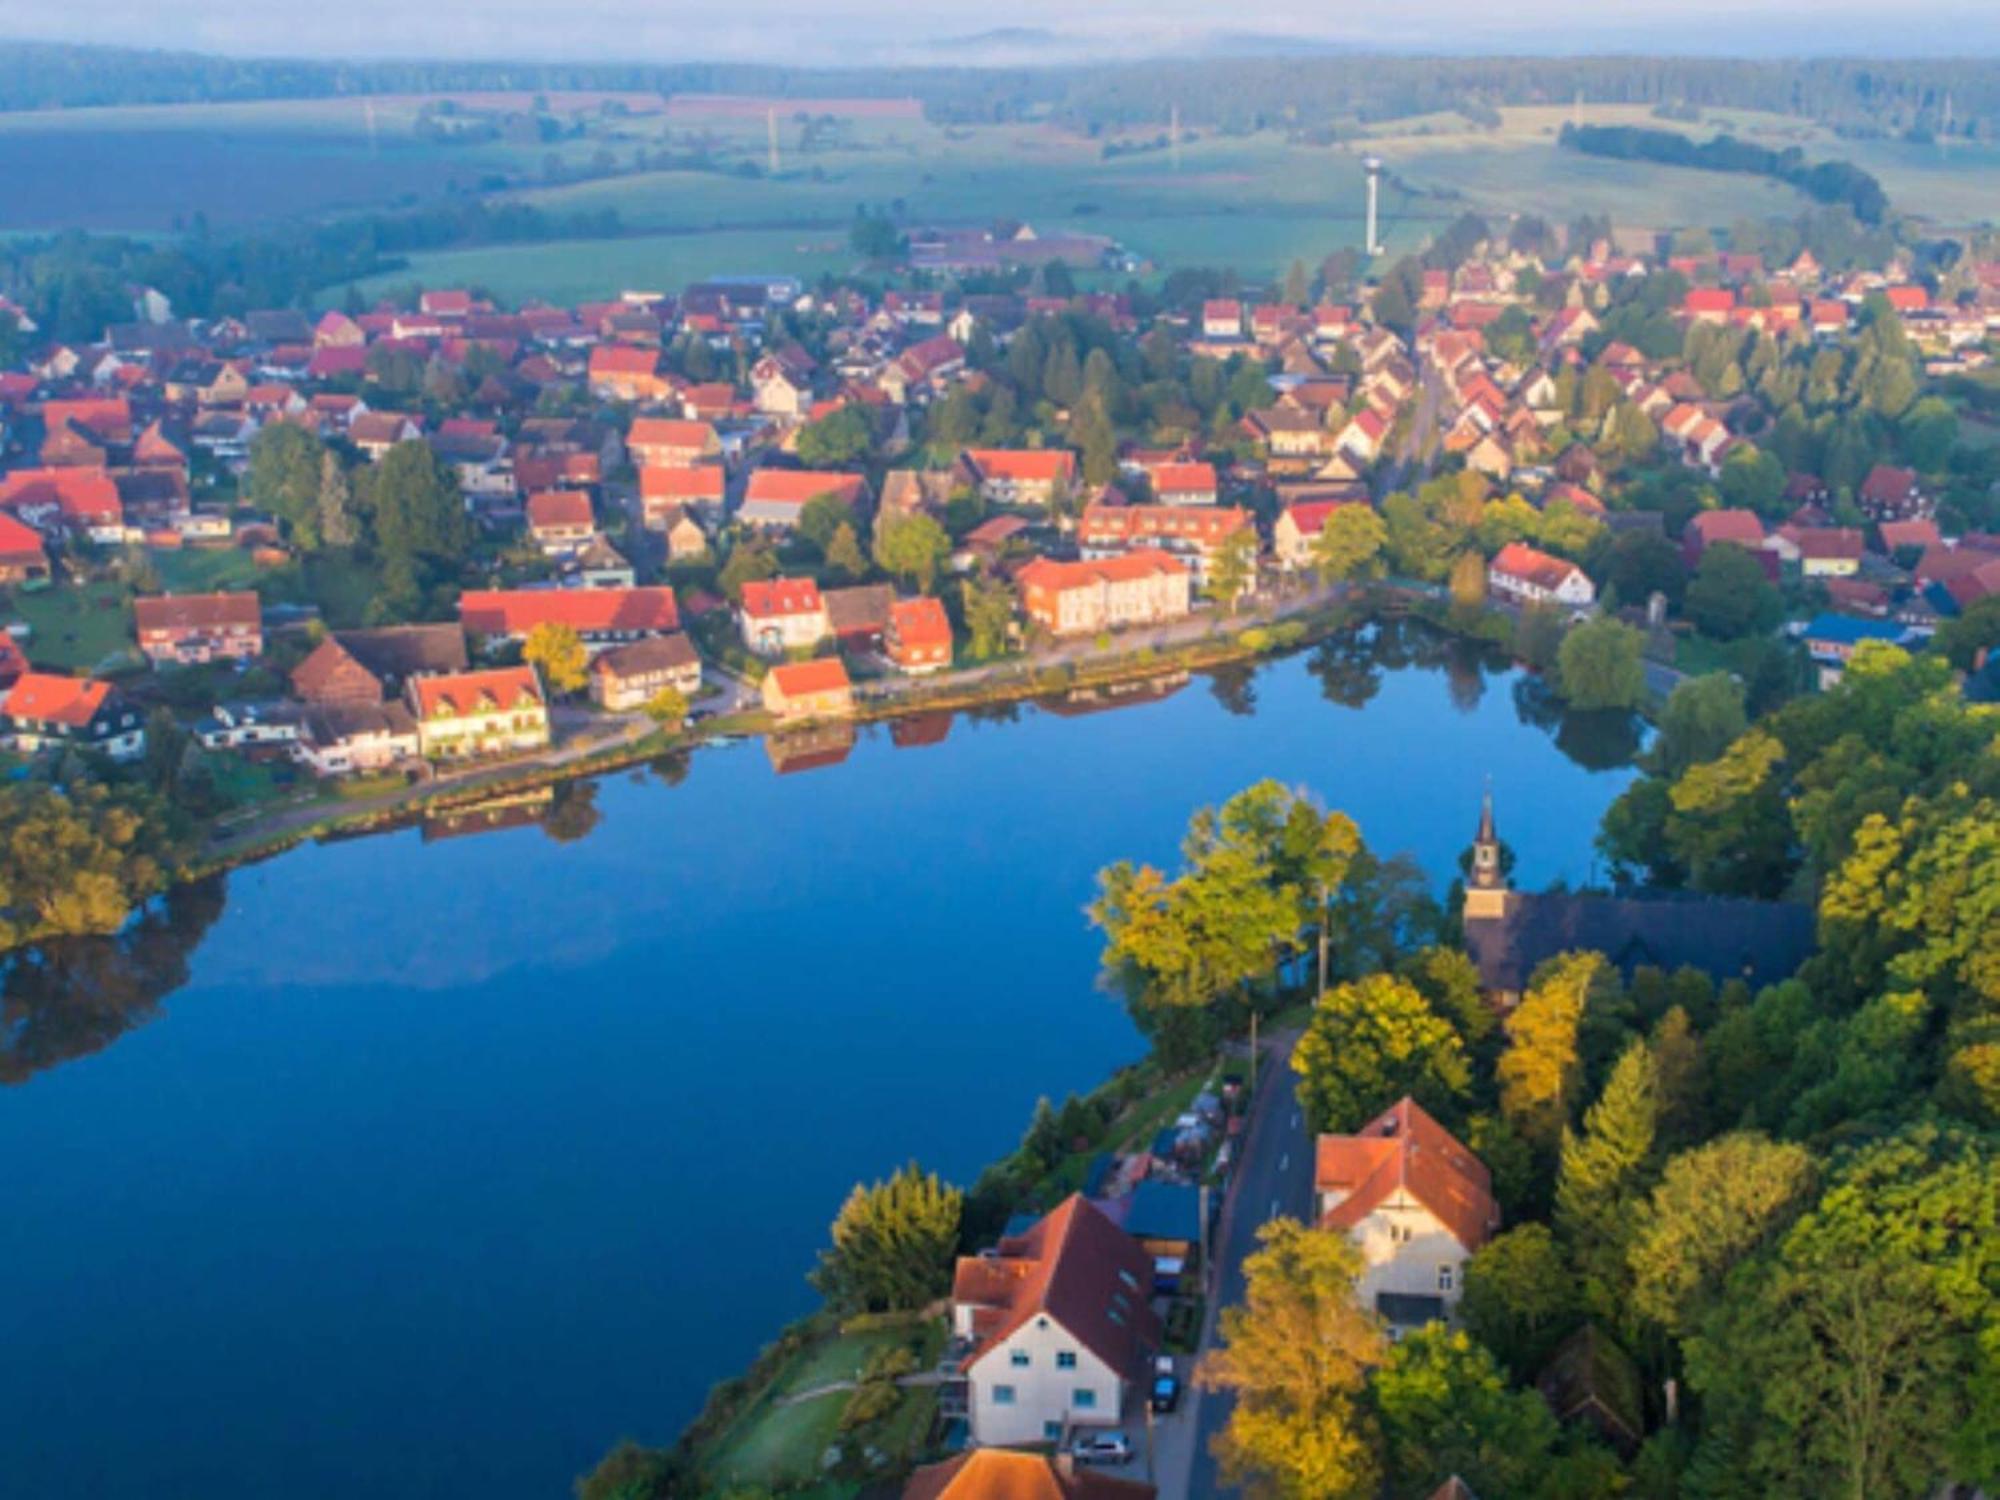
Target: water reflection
68,999
810,749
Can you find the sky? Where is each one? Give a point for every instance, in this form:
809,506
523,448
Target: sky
799,32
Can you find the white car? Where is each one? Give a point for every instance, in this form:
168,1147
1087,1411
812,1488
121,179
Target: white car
1102,1448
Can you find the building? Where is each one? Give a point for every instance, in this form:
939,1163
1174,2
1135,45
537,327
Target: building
1184,484
1415,1202
1079,598
673,443
1059,1323
630,677
342,739
560,521
181,629
859,614
1708,527
1036,477
1892,494
775,498
919,636
602,617
1510,933
1298,529
1831,641
1003,1474
1194,534
46,712
1528,575
23,559
668,493
817,689
461,715
782,614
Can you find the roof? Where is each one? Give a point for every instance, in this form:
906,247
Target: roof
1079,1269
56,700
1309,516
797,486
1532,565
1885,484
330,723
656,653
1023,465
404,650
1763,941
1005,1474
764,598
920,622
1590,1375
824,674
865,606
517,611
1178,478
1741,526
1404,1150
670,432
700,482
560,508
1047,573
324,666
1846,630
196,611
1825,541
458,694
18,539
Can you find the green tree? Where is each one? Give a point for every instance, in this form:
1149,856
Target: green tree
630,1472
284,478
1603,1169
988,607
337,526
1446,1408
1729,596
1702,717
1368,1044
668,708
1349,543
414,502
843,553
913,548
1599,665
839,440
1296,1354
1233,568
748,563
1521,1297
822,516
1753,480
558,652
893,1244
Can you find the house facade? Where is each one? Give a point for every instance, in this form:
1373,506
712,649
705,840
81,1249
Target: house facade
462,715
918,639
782,614
1078,598
817,689
1528,575
43,711
182,629
630,677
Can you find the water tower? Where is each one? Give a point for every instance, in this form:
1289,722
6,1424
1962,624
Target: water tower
1372,165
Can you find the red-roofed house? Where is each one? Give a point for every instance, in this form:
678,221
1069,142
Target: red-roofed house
603,617
918,639
23,559
1004,1474
79,500
1081,598
665,493
627,372
186,628
1892,494
1414,1201
1709,304
774,498
493,712
1222,318
782,614
1191,533
1707,527
560,521
1060,1323
1298,530
1184,483
1528,575
672,443
817,689
46,712
1825,551
1019,476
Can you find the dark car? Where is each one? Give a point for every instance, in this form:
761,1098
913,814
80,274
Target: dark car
1166,1392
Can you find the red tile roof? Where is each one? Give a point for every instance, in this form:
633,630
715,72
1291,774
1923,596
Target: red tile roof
460,694
766,598
55,700
177,612
1404,1150
19,541
1532,565
823,674
1740,526
1004,1474
699,482
1047,573
1024,465
559,508
797,486
670,432
588,611
920,622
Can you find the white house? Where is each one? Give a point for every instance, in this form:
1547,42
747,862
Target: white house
1059,1324
1528,575
782,614
1415,1201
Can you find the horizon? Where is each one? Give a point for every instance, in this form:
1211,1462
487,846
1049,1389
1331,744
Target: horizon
865,33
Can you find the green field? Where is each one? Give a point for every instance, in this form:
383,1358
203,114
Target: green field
76,629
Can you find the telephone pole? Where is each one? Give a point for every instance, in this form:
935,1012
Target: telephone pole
771,130
1174,136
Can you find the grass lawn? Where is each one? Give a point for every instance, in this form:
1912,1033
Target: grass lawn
196,570
77,629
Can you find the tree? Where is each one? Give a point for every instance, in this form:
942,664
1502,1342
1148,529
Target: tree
558,651
284,478
336,504
1349,543
1520,1296
1298,286
893,1244
1712,1206
843,552
748,563
1468,582
1234,567
1599,665
1447,1409
1538,637
1702,717
988,607
1603,1169
75,862
913,548
668,708
1542,1066
1975,630
1730,596
838,440
630,1472
1639,564
1753,480
1296,1353
414,502
820,517
1368,1044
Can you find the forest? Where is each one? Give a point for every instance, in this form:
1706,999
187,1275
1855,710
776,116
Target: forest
1825,182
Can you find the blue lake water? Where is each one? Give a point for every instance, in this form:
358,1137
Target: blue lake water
446,1162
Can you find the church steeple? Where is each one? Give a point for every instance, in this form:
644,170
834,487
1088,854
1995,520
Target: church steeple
1486,893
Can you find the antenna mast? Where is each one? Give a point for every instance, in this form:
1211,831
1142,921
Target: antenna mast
771,131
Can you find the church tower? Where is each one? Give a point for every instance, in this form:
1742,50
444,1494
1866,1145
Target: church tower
1486,893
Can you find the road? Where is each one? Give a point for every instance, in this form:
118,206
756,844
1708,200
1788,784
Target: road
1273,1179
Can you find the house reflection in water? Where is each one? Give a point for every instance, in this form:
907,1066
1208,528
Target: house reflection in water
920,729
810,748
1096,700
514,810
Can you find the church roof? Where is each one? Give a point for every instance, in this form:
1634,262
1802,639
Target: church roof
1760,941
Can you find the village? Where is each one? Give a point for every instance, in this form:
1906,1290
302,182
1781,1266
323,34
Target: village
392,541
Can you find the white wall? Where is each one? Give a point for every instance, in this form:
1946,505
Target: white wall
1043,1392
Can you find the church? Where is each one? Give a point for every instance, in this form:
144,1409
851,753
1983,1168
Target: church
1510,933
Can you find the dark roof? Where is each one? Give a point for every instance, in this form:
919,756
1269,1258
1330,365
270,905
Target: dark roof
1761,941
1590,1378
1164,1211
398,651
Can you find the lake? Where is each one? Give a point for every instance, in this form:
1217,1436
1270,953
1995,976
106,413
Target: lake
431,1163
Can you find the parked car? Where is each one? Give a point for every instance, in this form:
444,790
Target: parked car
1166,1384
1102,1448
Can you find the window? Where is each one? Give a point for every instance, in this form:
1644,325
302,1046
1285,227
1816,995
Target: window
1052,1431
1003,1395
1083,1398
1018,1358
1444,1278
1066,1359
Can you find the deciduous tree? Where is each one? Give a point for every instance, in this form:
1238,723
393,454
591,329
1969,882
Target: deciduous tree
893,1244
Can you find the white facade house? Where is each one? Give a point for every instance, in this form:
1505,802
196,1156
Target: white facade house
1415,1202
1528,575
1059,1327
782,614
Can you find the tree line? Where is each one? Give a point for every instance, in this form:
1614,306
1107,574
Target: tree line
1826,182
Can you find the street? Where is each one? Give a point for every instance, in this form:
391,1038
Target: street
1273,1179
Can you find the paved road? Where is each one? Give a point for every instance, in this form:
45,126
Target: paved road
1273,1180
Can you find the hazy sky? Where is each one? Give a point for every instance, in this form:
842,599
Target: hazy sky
845,31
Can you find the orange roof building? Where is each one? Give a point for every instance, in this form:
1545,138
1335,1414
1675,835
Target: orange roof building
43,711
1415,1201
463,715
1003,1474
1145,587
919,635
600,616
188,628
817,689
